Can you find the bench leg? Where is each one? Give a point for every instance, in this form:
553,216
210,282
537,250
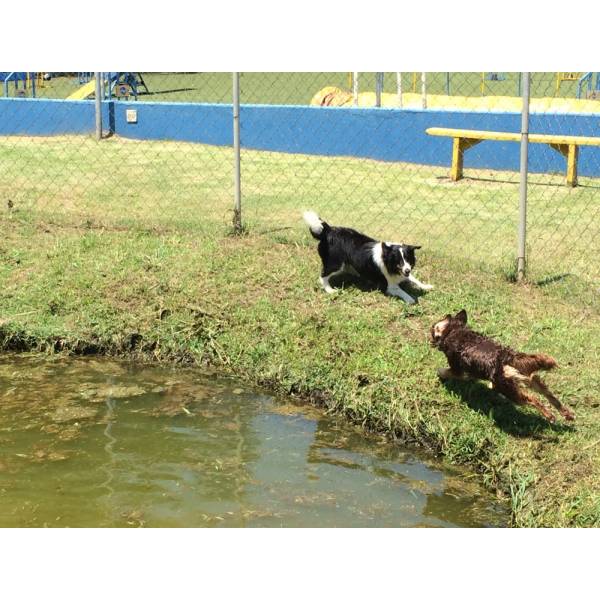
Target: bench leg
458,152
570,152
459,145
572,165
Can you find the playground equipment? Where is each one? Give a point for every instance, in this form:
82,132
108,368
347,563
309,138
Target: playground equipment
118,84
582,79
495,85
491,83
333,96
486,80
492,76
29,82
587,79
85,77
84,92
126,84
561,77
341,100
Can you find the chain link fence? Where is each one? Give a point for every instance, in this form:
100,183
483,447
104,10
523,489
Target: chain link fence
150,170
564,218
375,151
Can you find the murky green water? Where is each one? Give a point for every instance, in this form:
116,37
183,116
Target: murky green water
96,443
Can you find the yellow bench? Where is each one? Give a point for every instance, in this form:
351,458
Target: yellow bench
567,145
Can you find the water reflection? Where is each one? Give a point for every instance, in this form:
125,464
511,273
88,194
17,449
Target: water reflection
86,442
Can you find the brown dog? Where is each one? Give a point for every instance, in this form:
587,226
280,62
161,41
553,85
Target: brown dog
472,355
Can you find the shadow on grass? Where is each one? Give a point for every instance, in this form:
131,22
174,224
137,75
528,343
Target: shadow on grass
159,92
508,416
552,279
351,281
476,179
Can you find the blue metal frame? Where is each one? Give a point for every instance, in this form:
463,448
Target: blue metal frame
84,77
17,76
110,79
587,78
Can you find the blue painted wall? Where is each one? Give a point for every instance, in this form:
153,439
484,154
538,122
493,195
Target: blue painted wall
25,116
383,134
205,123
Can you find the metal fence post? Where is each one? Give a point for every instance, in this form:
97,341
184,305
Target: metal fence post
523,178
98,105
399,88
378,88
237,208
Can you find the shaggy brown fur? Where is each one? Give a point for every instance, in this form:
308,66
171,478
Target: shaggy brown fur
471,354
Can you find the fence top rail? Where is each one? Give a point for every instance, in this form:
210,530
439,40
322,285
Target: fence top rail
506,136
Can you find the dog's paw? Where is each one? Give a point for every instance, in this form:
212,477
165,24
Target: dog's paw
567,414
444,374
427,287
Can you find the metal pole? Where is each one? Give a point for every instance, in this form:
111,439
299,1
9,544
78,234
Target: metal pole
523,171
378,88
424,90
98,104
399,88
355,88
237,208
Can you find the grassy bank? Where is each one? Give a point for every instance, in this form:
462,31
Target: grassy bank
86,269
174,297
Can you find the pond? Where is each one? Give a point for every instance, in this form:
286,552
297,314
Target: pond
92,442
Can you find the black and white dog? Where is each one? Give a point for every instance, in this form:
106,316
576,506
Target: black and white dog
345,250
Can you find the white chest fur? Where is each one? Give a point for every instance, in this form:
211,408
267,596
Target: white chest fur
392,278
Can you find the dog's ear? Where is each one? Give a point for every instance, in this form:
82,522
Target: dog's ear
461,316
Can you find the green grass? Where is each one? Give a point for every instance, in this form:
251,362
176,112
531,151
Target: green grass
124,183
122,247
299,88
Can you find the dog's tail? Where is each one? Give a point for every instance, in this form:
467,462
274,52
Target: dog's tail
530,363
317,226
